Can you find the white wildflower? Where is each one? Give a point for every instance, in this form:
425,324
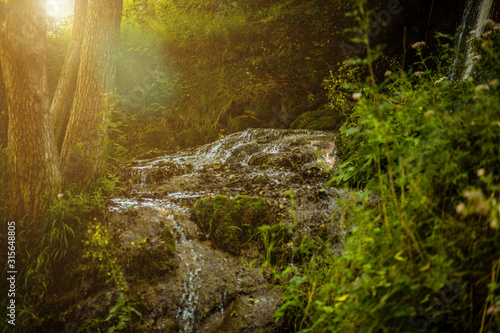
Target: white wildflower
480,172
356,96
489,23
476,57
487,33
429,113
60,196
460,208
481,207
486,44
444,78
387,73
473,195
418,73
494,224
418,45
482,87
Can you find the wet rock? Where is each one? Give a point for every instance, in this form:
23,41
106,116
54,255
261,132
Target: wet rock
194,228
204,284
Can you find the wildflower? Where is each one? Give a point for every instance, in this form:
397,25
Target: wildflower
486,44
429,113
494,83
473,195
489,23
60,196
482,87
460,208
494,224
387,73
481,207
487,33
476,57
480,172
418,73
444,78
356,96
418,45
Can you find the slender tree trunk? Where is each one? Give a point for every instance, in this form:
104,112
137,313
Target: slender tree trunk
84,148
65,90
35,168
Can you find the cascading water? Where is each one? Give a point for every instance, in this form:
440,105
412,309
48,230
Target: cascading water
209,290
482,14
464,26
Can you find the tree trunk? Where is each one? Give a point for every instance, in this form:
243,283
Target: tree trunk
84,148
65,90
35,168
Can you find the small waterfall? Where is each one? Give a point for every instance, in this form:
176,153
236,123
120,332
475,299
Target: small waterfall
466,20
482,15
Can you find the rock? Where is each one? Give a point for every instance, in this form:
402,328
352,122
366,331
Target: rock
193,232
207,291
249,120
323,120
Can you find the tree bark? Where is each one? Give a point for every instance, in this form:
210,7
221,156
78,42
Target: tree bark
35,167
84,146
65,90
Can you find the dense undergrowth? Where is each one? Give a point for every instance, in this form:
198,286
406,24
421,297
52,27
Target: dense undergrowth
191,71
426,258
57,254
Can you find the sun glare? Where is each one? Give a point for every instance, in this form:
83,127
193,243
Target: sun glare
60,8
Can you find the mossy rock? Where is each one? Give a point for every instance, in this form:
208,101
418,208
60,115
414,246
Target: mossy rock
148,261
240,123
231,224
322,120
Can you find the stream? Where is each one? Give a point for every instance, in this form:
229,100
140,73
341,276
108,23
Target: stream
210,290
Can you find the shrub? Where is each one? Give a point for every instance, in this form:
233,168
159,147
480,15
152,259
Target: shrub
427,147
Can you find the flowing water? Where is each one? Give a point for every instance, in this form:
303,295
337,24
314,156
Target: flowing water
210,290
482,11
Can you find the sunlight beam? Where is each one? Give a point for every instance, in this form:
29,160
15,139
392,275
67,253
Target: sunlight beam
60,8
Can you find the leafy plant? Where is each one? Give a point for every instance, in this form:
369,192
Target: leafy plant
427,148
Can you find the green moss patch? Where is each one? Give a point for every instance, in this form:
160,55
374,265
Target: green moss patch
231,223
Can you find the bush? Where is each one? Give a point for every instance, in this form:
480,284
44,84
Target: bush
427,147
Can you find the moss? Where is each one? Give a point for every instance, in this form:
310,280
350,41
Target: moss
231,224
148,261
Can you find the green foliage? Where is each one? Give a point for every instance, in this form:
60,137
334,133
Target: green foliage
101,254
68,247
426,148
193,70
